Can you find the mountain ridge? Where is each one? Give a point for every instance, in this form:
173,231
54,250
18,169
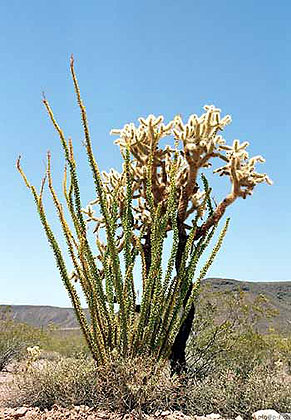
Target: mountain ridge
278,294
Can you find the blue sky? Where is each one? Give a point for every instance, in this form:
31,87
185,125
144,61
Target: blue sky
134,58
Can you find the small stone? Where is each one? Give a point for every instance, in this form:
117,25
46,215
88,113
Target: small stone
213,416
165,413
103,415
179,415
239,418
7,411
267,415
20,412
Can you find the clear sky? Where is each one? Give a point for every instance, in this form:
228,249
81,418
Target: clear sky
134,58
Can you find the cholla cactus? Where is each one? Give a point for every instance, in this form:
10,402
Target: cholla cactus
157,192
200,144
33,354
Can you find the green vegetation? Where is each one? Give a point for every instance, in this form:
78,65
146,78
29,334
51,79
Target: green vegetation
232,368
66,343
118,386
16,337
238,369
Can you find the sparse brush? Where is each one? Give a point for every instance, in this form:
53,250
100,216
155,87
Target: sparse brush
227,393
138,384
9,351
233,370
14,338
142,385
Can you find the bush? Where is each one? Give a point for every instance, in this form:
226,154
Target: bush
233,367
14,338
143,386
119,386
226,334
228,393
9,350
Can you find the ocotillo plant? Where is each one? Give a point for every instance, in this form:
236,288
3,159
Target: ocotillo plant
157,192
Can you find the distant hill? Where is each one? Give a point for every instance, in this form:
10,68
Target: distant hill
42,316
278,293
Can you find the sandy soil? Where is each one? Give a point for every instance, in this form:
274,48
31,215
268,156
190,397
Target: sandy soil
5,378
86,413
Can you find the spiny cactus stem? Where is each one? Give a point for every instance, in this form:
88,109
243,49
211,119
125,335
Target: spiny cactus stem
96,351
216,216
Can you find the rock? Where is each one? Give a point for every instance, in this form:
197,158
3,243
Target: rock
165,413
7,411
213,416
103,415
178,415
20,412
267,415
126,416
200,418
239,418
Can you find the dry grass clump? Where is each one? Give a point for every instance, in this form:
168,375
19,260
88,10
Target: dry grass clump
119,386
230,394
141,385
9,351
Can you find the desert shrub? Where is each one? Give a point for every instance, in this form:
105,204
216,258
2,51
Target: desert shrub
281,350
65,381
158,191
14,338
139,384
120,385
54,342
226,332
9,351
233,367
228,393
